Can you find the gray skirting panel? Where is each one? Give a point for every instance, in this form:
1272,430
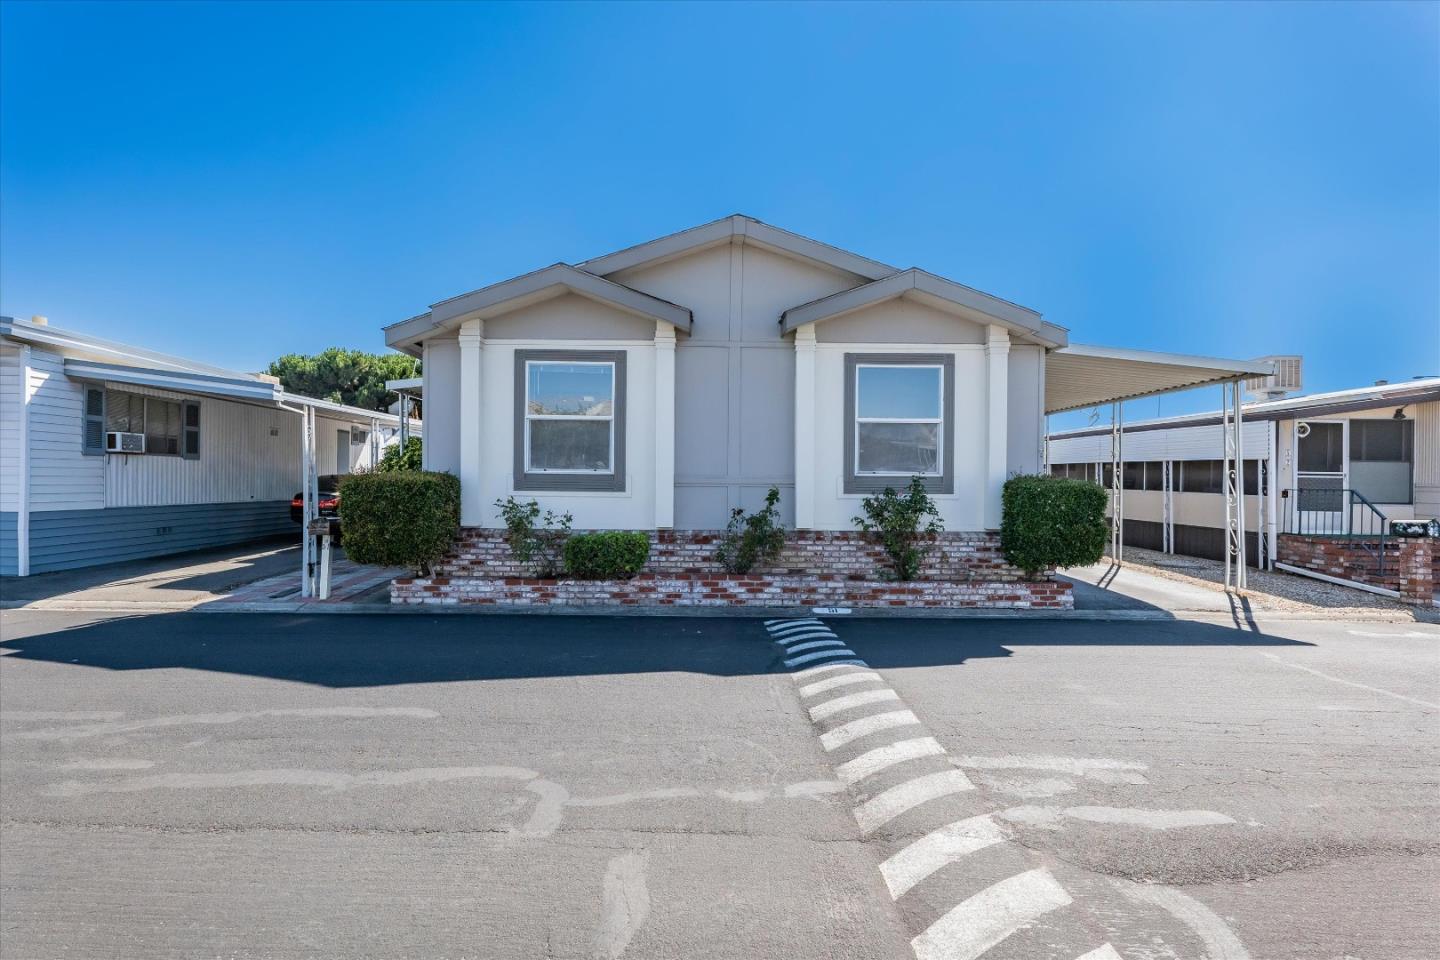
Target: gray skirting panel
8,556
67,539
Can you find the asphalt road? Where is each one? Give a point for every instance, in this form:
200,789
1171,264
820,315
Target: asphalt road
343,786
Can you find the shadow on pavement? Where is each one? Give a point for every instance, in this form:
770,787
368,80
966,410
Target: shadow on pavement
212,570
364,651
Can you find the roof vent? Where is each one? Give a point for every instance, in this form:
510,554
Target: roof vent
39,321
1285,379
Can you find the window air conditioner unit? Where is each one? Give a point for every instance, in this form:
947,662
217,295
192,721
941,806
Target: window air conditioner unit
1287,378
124,443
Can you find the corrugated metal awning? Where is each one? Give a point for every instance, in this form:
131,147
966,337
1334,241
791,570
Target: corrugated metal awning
1081,376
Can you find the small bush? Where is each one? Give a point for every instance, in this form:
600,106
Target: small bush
606,555
401,518
901,524
754,539
1052,522
396,457
541,545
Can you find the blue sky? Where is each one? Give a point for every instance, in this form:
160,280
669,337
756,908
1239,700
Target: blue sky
235,182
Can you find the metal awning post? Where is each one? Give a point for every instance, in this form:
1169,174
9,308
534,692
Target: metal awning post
1117,482
308,494
404,419
1239,425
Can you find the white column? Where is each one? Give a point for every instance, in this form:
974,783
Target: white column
472,342
664,425
22,514
997,366
805,428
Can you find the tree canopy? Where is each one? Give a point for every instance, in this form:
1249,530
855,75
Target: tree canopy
351,377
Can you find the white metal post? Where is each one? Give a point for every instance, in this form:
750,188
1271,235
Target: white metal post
1241,572
304,501
22,514
1227,484
1117,483
1272,495
1167,506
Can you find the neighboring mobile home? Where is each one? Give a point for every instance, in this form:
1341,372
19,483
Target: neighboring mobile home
663,385
111,452
1341,463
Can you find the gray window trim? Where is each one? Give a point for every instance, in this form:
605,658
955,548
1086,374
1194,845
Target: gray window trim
600,482
856,483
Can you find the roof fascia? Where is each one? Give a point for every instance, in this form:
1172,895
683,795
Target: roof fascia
1017,319
178,380
532,287
47,335
1234,367
735,228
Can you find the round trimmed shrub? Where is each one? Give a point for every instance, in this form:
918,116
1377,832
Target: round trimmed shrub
400,518
1050,522
606,555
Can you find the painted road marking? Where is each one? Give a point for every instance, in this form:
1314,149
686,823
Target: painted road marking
815,644
934,850
840,651
809,672
773,624
1353,683
884,807
797,636
872,762
798,625
977,924
820,686
1102,952
831,707
855,729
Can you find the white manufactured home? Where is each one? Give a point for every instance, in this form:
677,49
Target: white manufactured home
663,385
112,452
1344,463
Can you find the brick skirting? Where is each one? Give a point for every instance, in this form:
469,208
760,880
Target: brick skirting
1409,562
733,591
963,570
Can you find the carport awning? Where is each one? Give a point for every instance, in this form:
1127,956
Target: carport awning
1080,376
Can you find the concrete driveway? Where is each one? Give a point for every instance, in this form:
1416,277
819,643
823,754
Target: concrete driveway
256,786
178,581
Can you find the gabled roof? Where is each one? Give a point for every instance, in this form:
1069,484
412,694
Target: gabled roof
723,231
935,291
521,291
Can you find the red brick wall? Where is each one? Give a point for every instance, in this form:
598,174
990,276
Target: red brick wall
815,569
1409,562
956,556
731,591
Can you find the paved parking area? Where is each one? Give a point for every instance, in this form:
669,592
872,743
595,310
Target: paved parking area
186,785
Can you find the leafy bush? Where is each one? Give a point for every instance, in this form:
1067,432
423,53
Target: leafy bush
606,555
901,524
1052,522
396,457
754,539
540,545
402,518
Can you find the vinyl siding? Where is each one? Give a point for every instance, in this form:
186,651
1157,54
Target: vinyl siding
10,407
1427,460
7,544
66,539
61,477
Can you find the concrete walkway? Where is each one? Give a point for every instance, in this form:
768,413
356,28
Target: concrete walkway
174,582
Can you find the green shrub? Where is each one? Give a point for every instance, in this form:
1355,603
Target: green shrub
536,540
396,457
754,539
1052,522
401,518
902,524
606,555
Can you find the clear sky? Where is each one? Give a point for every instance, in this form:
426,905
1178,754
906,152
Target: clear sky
233,182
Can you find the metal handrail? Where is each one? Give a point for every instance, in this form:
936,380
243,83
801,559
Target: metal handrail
1325,512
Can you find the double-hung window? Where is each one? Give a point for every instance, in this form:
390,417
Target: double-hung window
170,427
899,421
570,420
